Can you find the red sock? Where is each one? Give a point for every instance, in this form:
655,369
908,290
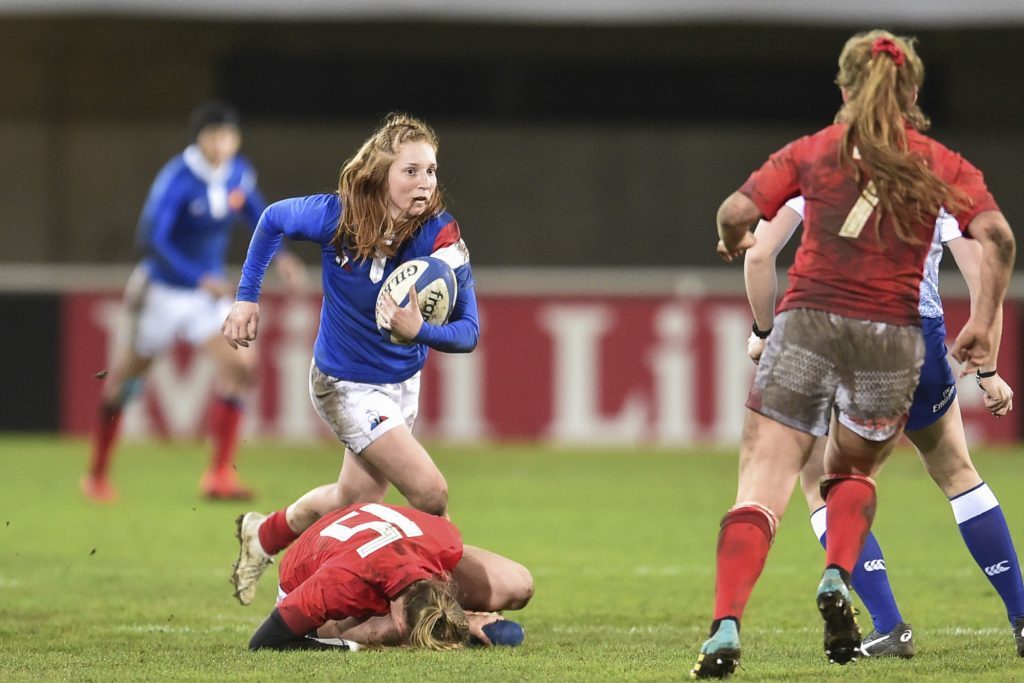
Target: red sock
743,542
107,428
275,534
850,503
225,421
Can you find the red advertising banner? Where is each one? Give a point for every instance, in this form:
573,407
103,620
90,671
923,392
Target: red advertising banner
654,370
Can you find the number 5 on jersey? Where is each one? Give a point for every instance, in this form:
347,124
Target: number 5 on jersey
390,526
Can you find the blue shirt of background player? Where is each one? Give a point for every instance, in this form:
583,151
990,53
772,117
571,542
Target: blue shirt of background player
185,227
348,344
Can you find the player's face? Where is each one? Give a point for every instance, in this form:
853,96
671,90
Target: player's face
219,144
412,180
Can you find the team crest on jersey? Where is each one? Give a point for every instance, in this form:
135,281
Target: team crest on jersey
236,199
375,419
343,262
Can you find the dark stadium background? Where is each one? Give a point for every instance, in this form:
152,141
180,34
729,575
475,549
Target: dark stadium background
564,144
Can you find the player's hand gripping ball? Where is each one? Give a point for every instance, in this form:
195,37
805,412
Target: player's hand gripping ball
436,291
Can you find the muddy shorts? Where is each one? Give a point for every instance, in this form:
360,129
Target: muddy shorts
816,361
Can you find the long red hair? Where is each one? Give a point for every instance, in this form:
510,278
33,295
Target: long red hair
880,74
366,227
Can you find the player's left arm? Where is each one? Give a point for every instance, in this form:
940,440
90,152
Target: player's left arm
462,331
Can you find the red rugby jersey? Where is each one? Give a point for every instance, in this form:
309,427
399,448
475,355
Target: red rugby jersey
351,562
871,275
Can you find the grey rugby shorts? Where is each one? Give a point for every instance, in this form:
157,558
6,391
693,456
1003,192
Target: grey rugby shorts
816,361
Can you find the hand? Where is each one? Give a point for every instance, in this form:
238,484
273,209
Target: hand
240,326
292,272
998,395
404,322
755,347
216,286
477,621
974,348
748,240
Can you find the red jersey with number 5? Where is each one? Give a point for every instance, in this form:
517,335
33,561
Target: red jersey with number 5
352,562
844,265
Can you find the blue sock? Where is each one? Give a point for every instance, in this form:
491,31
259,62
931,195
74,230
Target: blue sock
984,529
870,578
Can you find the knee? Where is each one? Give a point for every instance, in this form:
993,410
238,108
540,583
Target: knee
520,588
432,499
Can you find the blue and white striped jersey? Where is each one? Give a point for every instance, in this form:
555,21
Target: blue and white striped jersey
185,227
348,344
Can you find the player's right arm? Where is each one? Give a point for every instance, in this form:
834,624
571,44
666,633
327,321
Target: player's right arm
166,200
759,271
301,218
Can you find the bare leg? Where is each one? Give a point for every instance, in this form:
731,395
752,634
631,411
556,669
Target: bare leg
359,482
942,447
771,457
489,582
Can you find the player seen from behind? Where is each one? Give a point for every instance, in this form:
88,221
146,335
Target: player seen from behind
848,332
934,427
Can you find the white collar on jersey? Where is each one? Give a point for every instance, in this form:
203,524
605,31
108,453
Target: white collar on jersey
198,164
216,180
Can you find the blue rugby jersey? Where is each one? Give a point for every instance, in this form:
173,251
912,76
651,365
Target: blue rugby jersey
185,227
348,345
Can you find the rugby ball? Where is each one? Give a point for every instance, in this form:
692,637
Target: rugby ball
436,290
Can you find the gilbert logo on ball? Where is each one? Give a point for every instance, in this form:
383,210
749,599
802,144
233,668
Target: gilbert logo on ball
436,291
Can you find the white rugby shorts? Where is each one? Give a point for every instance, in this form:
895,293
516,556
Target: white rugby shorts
358,413
161,314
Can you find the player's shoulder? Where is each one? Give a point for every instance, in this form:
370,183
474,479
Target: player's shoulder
440,230
174,173
308,207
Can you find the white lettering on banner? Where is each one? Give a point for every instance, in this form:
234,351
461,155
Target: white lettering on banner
181,393
462,378
672,371
576,332
296,417
734,372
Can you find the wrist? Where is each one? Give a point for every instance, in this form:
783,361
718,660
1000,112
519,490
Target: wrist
758,332
985,374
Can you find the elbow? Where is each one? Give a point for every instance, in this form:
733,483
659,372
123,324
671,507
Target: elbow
737,213
992,227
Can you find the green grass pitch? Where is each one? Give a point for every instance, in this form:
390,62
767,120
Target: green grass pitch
620,542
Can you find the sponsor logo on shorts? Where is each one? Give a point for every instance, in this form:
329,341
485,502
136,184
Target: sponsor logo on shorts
998,568
375,419
874,566
947,396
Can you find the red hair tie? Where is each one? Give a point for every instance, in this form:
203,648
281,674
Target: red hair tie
888,46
